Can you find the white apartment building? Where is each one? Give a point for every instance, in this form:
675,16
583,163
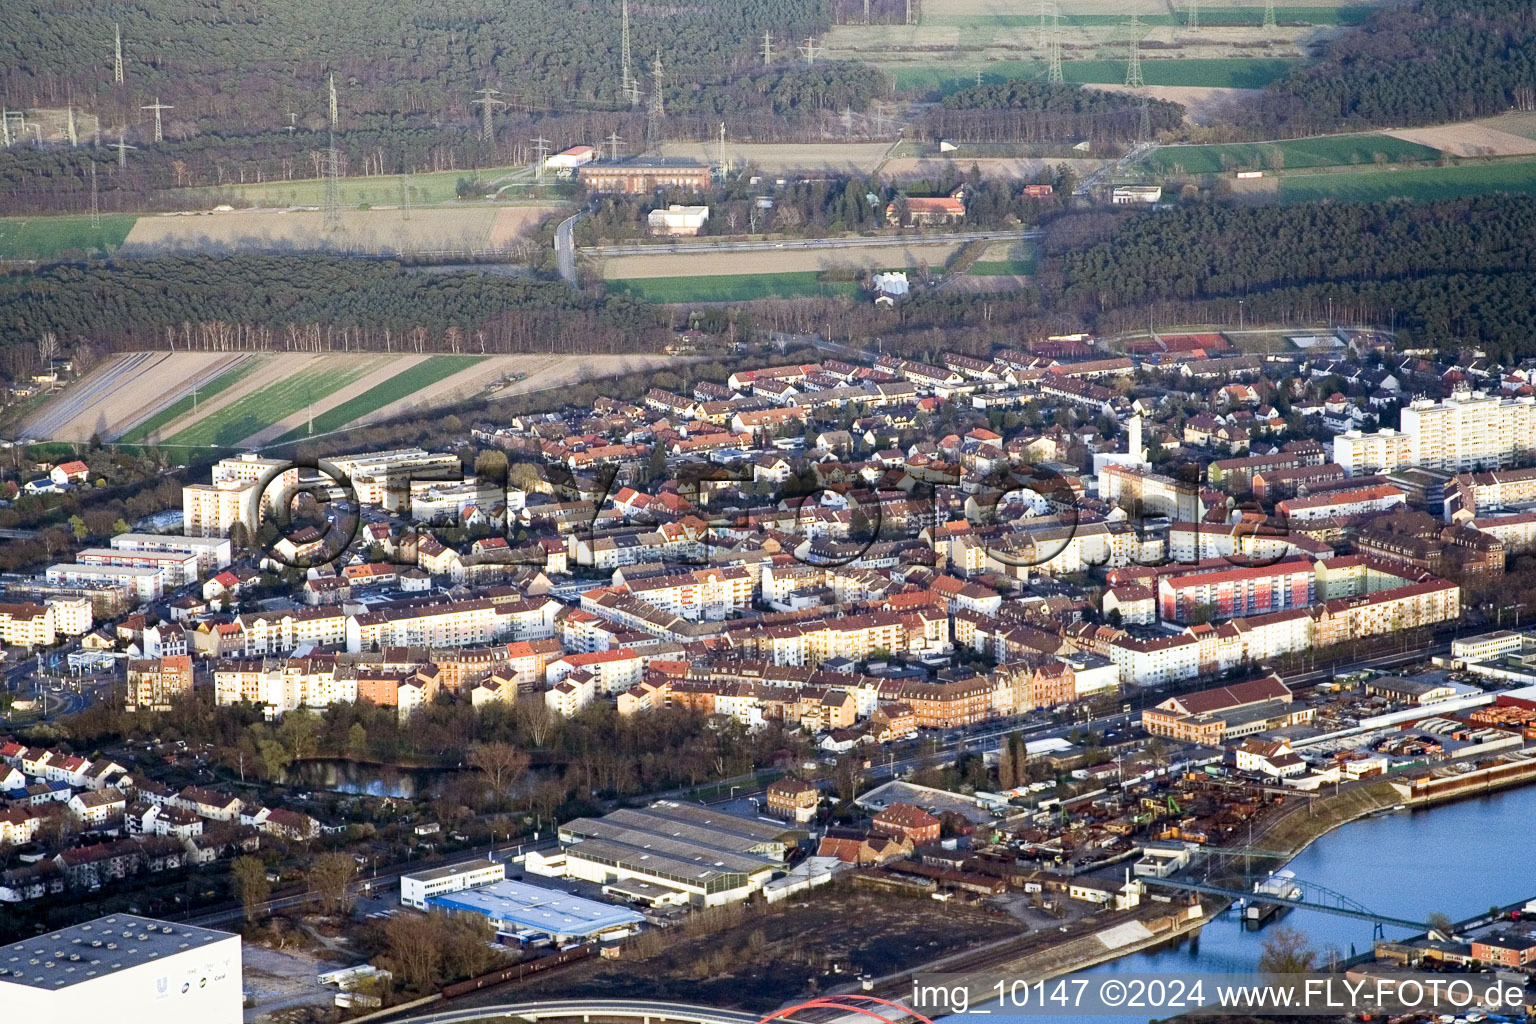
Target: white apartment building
213,553
211,510
72,616
277,478
416,889
1384,451
1470,430
384,478
179,567
144,583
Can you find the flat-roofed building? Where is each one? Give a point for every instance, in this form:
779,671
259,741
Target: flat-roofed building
145,583
212,510
419,887
713,856
521,910
642,176
126,969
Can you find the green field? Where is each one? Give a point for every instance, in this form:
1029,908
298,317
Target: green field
182,406
401,385
380,190
1227,16
1225,73
1331,151
48,238
732,287
1424,183
271,404
998,268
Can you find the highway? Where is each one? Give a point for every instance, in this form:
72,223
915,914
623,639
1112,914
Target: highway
818,244
565,248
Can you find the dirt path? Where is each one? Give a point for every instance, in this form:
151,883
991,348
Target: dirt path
385,368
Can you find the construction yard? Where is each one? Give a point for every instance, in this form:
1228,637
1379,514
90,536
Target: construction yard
248,400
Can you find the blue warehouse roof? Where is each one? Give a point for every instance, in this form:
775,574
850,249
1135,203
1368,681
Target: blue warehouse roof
518,906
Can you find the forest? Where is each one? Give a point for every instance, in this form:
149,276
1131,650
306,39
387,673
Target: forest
244,65
316,303
1033,111
1455,272
1423,62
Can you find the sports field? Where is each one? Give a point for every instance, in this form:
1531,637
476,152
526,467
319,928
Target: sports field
1421,183
62,237
1219,73
732,287
1330,151
417,379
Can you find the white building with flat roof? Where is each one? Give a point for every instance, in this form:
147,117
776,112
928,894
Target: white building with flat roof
213,553
1470,430
1383,451
212,510
144,583
124,969
416,889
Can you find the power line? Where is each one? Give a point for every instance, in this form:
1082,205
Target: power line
488,102
122,148
1192,14
117,55
1269,14
1133,64
629,82
1044,8
157,107
95,202
405,196
655,110
614,142
808,51
332,216
1054,73
540,148
767,48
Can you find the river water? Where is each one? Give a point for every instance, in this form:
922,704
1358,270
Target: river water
1456,859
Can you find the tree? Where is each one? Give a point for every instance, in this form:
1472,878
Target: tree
1286,952
329,877
248,883
502,763
1439,922
120,526
357,738
413,951
78,528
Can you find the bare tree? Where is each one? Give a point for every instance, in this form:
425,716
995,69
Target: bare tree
413,950
1286,952
248,882
502,763
329,879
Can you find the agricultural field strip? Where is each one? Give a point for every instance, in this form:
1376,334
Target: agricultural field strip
298,421
46,237
143,430
270,404
1324,151
1424,183
733,287
412,380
